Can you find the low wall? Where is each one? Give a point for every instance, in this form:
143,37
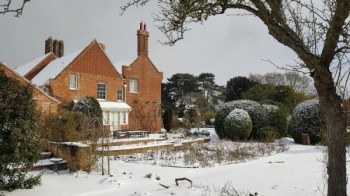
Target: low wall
77,155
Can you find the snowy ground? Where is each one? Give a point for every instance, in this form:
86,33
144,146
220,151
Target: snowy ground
298,171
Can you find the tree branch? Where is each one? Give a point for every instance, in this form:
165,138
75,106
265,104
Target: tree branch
6,8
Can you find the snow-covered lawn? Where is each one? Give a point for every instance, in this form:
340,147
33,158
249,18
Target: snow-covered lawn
296,172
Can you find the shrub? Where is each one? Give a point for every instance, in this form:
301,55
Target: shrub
90,107
65,126
238,125
276,120
19,144
256,112
307,119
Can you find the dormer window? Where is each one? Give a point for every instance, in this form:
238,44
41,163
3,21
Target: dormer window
73,82
134,86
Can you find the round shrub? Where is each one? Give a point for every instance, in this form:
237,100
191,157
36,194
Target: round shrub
90,107
307,119
238,125
276,120
256,112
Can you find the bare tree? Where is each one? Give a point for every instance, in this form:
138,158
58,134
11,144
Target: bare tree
298,82
7,6
317,32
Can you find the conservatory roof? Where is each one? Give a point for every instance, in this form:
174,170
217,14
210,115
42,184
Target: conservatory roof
114,106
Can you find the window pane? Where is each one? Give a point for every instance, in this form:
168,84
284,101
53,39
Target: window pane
101,91
120,94
73,82
134,86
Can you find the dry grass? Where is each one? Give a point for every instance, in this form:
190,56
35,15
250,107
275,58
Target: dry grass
207,155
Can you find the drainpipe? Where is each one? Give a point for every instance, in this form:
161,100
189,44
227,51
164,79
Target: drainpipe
125,92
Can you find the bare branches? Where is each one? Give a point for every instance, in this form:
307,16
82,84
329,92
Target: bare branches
7,8
135,3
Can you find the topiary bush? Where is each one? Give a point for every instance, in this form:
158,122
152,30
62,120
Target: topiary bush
256,112
307,119
276,120
238,125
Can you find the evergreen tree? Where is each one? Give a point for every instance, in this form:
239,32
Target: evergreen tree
236,86
168,119
19,145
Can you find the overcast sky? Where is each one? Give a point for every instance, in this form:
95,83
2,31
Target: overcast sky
226,45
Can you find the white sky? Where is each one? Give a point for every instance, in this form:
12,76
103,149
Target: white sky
227,46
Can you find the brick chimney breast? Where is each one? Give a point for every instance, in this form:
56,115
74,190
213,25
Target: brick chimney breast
142,40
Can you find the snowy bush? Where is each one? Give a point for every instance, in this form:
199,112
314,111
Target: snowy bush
90,107
276,120
256,112
307,119
238,125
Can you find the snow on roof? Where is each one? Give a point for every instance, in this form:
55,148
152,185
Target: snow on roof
24,69
54,68
121,106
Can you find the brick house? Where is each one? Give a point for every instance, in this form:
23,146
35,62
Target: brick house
45,103
130,100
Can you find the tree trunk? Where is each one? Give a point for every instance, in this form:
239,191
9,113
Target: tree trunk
335,120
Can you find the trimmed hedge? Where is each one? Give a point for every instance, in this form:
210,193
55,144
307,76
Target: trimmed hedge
307,119
238,125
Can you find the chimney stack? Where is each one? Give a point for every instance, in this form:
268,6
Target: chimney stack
54,46
48,45
142,40
60,48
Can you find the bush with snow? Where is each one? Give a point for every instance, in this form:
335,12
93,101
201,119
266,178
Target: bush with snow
90,107
256,112
276,120
238,125
307,119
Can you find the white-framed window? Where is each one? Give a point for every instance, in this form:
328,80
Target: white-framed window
123,117
120,95
101,90
133,86
73,82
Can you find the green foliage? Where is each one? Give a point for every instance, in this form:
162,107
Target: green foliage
307,119
236,86
207,116
276,120
256,112
66,126
90,107
259,93
283,96
238,125
19,145
168,119
269,134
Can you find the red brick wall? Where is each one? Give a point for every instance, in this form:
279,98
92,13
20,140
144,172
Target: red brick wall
146,104
91,66
44,104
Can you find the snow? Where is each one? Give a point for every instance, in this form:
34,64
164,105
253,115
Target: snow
111,106
298,171
54,68
24,69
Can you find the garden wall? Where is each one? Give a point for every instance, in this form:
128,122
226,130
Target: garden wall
77,155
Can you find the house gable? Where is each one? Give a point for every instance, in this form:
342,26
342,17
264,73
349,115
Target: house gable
44,102
90,68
